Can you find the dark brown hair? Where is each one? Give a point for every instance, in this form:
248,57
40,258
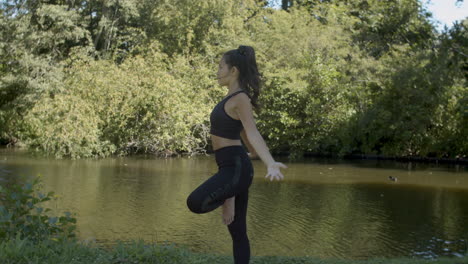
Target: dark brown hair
243,59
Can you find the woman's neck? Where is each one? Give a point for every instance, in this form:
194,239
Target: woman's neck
234,87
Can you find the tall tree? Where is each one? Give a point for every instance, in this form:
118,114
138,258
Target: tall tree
376,25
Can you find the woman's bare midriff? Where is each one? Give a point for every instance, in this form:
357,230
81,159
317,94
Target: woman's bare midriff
220,142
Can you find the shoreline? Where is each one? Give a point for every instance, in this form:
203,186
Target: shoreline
418,159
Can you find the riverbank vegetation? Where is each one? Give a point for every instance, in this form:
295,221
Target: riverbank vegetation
97,78
23,251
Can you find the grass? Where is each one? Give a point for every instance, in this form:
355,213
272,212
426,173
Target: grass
74,252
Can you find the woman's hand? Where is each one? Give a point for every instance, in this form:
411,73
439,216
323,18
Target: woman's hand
274,171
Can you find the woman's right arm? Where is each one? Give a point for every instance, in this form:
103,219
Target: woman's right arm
252,153
244,110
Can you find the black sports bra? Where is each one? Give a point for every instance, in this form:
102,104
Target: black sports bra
222,124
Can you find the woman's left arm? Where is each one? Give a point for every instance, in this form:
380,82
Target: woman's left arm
244,110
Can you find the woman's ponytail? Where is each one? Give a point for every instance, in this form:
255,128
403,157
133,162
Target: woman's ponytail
249,78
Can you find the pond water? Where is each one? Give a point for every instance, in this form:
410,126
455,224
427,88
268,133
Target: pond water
324,208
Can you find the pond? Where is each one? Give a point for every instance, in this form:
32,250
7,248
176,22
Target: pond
325,208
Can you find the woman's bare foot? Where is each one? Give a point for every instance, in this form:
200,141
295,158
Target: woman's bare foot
228,210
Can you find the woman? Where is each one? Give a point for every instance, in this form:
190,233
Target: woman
231,120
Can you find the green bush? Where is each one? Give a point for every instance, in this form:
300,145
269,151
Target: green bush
416,110
305,94
151,105
66,125
22,215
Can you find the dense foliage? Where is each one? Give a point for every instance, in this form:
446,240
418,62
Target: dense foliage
96,78
23,215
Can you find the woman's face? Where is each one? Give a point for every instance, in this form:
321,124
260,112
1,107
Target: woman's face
225,74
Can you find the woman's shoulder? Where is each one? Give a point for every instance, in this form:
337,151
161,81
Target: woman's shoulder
242,96
242,100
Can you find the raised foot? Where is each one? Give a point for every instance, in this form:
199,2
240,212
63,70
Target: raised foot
228,210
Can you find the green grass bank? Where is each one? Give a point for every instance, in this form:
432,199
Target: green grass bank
72,251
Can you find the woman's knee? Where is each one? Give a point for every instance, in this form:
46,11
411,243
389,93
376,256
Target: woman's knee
194,203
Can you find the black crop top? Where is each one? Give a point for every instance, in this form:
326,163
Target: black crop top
222,124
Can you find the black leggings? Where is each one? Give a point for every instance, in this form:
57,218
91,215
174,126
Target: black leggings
234,177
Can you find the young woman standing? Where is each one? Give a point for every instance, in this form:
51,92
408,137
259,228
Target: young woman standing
231,120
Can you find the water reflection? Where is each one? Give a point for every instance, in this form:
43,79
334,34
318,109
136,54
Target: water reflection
325,208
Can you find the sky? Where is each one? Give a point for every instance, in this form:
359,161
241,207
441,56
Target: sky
446,11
